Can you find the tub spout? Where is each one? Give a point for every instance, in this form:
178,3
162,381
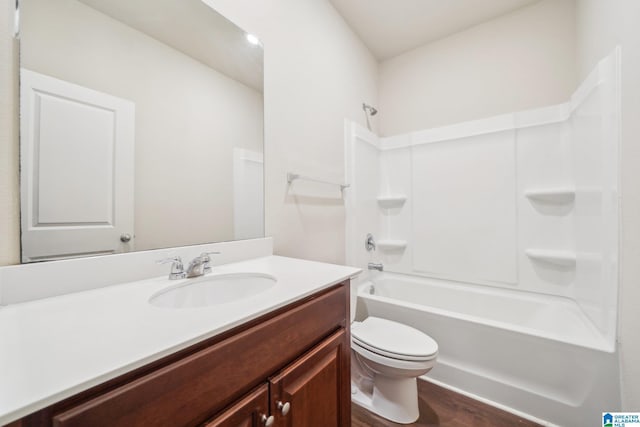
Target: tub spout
375,266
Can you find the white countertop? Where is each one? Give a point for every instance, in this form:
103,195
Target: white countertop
53,348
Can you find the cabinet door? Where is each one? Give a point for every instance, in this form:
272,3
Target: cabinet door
250,411
314,390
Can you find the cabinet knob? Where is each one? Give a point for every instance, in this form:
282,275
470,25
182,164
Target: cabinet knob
267,421
283,407
125,237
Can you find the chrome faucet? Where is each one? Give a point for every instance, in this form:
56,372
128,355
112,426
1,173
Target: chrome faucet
177,268
200,265
375,266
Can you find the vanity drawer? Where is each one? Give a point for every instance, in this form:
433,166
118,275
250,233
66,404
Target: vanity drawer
189,391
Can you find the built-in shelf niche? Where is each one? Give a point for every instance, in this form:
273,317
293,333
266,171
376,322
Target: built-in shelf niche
392,245
552,195
391,201
560,258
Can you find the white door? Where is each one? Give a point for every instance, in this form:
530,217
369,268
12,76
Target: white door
76,170
248,194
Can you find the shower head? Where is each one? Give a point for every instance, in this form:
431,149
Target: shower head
369,109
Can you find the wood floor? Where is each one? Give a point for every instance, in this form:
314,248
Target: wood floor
442,407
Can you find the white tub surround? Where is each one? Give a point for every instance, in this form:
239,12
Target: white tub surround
526,201
56,347
523,203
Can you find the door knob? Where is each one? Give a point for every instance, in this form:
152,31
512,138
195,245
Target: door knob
283,407
267,421
125,237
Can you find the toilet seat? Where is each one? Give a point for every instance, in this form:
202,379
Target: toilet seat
391,366
393,340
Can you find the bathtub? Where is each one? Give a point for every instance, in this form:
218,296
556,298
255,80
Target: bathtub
531,354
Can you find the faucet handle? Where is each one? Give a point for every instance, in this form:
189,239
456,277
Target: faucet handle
204,254
370,243
206,266
177,268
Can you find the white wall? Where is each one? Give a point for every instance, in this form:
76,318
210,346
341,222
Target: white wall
317,73
522,60
9,200
189,117
601,25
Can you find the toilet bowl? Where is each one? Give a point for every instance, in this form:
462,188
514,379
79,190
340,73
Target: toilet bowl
387,357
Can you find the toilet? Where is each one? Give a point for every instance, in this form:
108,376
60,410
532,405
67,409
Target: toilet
386,359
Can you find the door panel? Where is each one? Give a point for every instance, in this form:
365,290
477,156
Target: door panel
61,196
77,169
314,387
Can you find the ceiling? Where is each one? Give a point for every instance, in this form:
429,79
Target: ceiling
194,29
391,27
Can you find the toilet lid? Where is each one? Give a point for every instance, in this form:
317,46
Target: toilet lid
393,339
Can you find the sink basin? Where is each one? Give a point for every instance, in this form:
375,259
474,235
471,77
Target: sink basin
214,290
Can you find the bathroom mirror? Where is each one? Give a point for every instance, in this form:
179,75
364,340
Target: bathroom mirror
141,127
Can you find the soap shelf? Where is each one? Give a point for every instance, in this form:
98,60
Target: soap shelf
391,201
557,257
392,245
552,195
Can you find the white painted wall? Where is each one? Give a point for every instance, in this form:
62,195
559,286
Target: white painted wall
9,174
317,73
522,60
600,26
189,117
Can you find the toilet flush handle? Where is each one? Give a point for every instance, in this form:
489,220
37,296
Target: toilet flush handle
283,407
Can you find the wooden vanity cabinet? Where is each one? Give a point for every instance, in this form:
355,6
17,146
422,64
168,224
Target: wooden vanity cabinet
307,393
286,368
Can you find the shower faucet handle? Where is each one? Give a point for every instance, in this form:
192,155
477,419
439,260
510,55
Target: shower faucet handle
370,243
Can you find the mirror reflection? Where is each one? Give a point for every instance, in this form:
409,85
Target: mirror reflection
141,127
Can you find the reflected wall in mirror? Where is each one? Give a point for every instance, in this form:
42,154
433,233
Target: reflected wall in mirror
141,127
